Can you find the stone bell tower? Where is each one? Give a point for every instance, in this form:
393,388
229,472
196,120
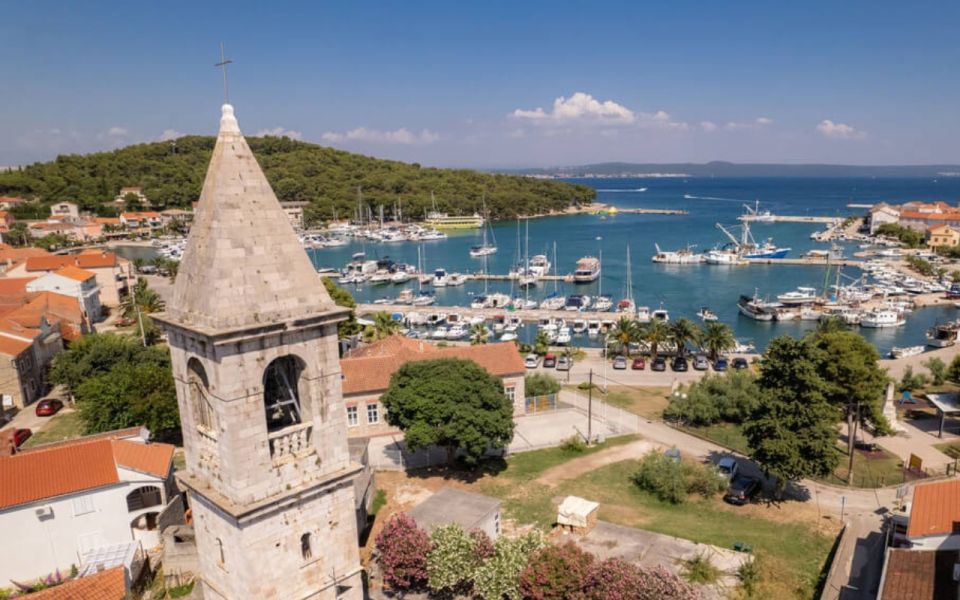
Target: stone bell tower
253,337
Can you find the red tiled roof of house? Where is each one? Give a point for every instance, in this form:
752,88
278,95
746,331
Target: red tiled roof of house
11,200
52,226
369,369
952,215
82,465
919,575
75,273
86,260
13,347
145,214
939,228
110,584
107,220
152,459
55,308
935,509
9,253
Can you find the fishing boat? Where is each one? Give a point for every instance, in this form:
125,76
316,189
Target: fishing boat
802,295
755,214
766,250
685,256
754,308
881,318
905,351
706,314
943,335
587,271
720,256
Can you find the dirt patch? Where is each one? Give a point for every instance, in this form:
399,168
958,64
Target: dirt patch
585,464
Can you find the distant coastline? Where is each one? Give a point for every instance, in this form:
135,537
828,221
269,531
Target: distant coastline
617,170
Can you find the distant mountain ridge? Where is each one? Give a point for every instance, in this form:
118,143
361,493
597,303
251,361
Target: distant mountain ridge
729,169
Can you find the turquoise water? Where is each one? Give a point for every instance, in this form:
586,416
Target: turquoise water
680,289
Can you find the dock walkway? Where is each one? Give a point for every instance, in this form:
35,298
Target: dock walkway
528,316
788,219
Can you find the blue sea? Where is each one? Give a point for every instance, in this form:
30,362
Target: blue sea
681,289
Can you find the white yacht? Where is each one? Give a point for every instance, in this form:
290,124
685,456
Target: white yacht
706,314
440,333
802,295
563,336
439,278
660,314
401,277
643,314
540,265
588,270
602,303
455,279
579,326
722,257
593,328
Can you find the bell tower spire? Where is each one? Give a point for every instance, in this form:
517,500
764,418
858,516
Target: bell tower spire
253,342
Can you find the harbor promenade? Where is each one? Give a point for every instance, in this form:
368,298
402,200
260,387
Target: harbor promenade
528,316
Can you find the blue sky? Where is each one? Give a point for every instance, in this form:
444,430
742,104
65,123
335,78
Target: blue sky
494,84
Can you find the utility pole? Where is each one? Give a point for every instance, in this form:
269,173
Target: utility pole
590,409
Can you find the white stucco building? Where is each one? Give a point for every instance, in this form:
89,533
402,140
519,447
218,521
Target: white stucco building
63,500
73,282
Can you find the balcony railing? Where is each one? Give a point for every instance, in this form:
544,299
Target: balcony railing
291,441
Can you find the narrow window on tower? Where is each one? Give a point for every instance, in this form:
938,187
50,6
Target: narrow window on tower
306,552
220,550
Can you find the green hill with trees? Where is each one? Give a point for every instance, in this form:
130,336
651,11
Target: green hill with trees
171,175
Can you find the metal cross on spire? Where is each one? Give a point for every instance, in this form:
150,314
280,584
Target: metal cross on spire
223,64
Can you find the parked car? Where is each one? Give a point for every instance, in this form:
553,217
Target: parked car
549,361
728,467
720,364
48,407
20,436
620,363
532,361
638,364
564,363
679,364
740,363
659,364
742,489
701,363
673,454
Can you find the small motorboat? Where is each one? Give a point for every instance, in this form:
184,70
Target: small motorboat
706,314
906,351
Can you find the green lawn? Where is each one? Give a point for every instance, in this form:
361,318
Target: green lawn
793,568
951,449
64,426
526,466
725,434
869,470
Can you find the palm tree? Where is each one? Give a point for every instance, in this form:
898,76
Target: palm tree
383,327
655,333
716,338
143,298
624,332
478,334
680,332
542,344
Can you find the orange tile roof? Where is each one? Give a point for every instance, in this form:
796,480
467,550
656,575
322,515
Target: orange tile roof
107,220
12,347
152,459
8,252
369,369
919,575
82,465
110,584
75,273
14,285
86,260
953,215
147,214
938,228
935,509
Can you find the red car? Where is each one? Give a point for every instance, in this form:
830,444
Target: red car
638,364
20,436
48,407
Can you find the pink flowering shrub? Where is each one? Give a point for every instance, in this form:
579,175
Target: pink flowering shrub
403,549
615,579
555,573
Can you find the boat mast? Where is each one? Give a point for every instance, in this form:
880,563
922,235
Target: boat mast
555,266
629,291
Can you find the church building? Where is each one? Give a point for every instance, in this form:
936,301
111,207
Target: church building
253,337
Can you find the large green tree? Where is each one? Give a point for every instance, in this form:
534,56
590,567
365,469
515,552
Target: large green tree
451,403
792,430
855,383
717,338
117,383
342,297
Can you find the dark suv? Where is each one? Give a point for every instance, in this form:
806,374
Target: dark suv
659,364
679,364
742,490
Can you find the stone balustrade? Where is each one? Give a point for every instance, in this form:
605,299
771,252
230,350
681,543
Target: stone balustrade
291,441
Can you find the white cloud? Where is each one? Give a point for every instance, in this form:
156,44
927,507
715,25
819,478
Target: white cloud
754,124
117,131
583,109
708,126
280,132
169,134
377,136
840,131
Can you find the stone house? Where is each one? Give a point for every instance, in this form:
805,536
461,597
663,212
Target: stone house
73,282
115,274
65,500
65,209
942,236
882,214
367,371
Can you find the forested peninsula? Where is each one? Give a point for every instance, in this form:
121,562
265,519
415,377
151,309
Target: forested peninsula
332,181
